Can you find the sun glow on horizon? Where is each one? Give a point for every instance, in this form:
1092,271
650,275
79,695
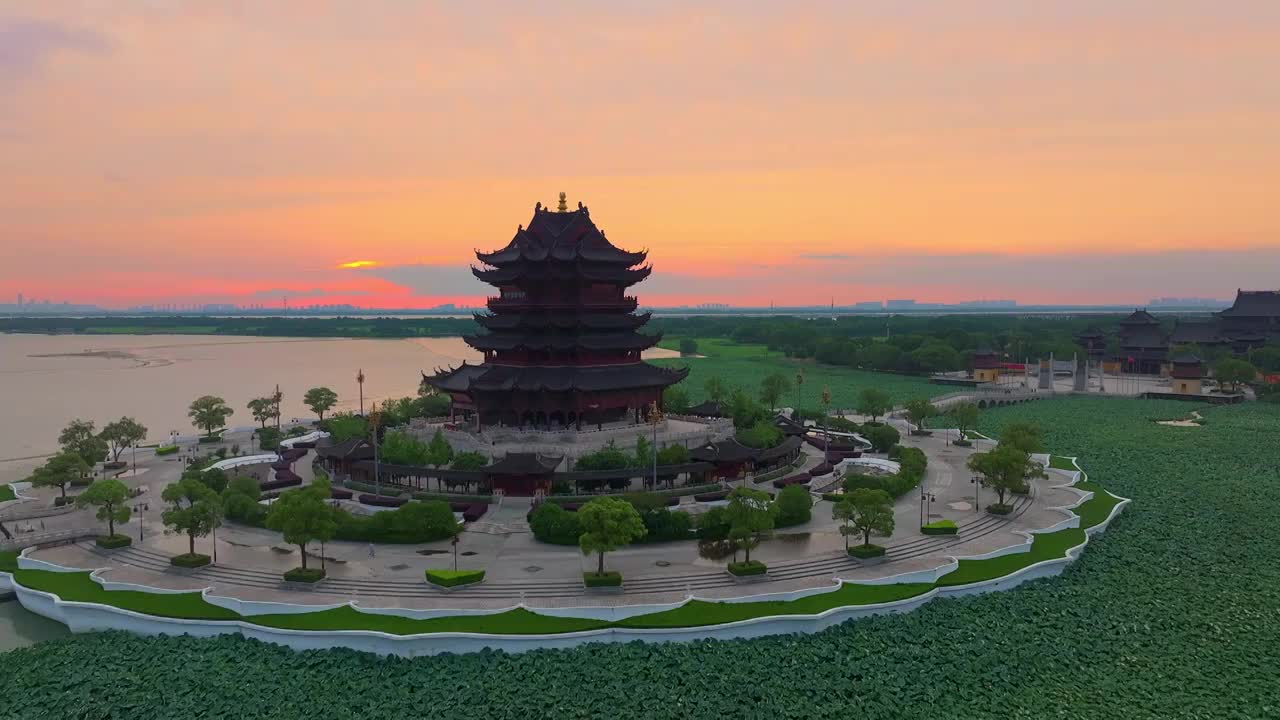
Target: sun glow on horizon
358,264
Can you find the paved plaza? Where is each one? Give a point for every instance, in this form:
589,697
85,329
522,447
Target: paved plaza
249,561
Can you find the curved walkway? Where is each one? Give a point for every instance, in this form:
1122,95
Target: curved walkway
823,567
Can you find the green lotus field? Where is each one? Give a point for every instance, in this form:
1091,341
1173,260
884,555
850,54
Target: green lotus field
1174,612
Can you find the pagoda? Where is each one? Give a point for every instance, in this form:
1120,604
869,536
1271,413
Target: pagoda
1144,348
561,343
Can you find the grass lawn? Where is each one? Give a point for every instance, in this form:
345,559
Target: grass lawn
1058,462
745,366
79,587
6,493
1046,546
8,561
512,622
699,612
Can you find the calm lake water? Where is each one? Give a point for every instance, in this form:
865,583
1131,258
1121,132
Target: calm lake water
19,627
46,380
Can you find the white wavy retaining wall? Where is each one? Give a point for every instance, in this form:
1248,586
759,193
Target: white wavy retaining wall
90,617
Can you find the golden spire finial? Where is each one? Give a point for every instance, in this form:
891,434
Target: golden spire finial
564,206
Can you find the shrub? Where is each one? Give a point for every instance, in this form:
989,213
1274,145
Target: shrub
882,437
609,578
750,567
205,439
962,443
475,511
306,575
711,496
864,552
413,522
189,560
85,481
913,465
68,500
453,578
111,542
940,527
269,438
551,523
713,525
166,450
794,506
998,509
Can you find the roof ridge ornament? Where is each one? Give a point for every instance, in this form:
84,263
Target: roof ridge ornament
563,206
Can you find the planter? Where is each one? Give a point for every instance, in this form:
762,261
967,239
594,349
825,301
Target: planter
752,571
867,554
115,465
941,527
962,443
112,542
189,561
450,579
609,582
999,510
309,576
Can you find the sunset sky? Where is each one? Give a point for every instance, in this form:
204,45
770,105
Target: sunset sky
1087,151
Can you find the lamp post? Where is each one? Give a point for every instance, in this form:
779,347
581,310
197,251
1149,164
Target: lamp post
826,405
374,418
799,382
655,417
360,382
977,485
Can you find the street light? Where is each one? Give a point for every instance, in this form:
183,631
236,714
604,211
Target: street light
655,417
360,382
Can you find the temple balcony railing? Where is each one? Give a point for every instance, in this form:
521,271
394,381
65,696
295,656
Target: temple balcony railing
625,304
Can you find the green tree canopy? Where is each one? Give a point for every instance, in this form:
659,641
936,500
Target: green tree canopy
79,437
965,416
607,524
302,515
262,409
121,434
320,400
469,460
194,509
110,497
401,448
762,435
1005,469
673,455
1027,437
794,505
772,388
751,516
675,399
439,452
59,470
209,412
345,426
919,410
882,437
1233,372
715,388
865,511
688,346
874,402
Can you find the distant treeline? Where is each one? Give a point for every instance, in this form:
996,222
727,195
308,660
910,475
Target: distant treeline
910,344
374,327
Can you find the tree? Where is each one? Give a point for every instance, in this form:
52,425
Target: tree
772,388
121,434
302,515
1233,372
59,470
751,515
320,400
920,410
1027,437
194,509
965,416
109,496
1005,469
673,455
262,409
675,400
715,388
469,460
345,426
882,437
866,511
213,478
688,346
209,412
439,452
744,410
79,437
874,402
794,505
607,524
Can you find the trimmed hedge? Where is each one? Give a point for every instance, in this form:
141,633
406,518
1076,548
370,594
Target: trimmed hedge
111,542
676,493
940,527
308,575
610,578
454,498
998,509
745,569
189,560
454,578
712,496
864,552
913,465
167,450
382,500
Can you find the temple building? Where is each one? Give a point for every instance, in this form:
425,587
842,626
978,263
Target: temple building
1251,320
1187,374
1143,345
986,365
561,343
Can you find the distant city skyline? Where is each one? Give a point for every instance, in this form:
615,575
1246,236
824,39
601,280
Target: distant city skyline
1059,153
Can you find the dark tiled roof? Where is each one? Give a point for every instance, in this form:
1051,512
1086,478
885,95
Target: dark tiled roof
1185,359
531,319
557,340
710,408
1140,317
498,378
725,451
1188,332
1144,338
561,272
353,449
567,237
524,464
1254,303
1091,333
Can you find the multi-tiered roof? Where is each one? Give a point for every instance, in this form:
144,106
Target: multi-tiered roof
562,340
